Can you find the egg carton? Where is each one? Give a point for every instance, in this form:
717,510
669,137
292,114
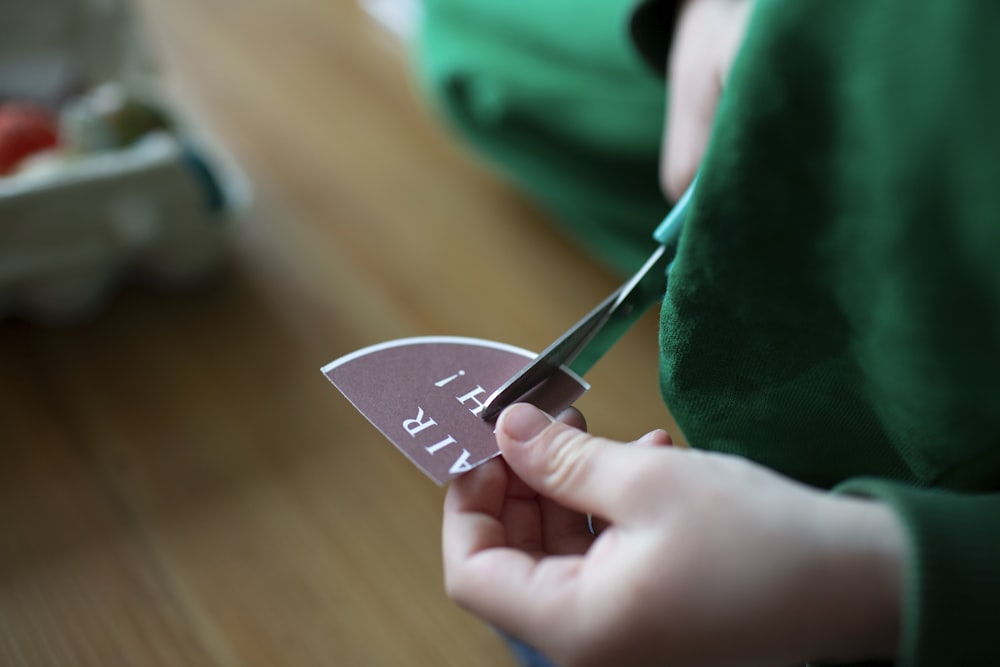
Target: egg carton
78,224
70,235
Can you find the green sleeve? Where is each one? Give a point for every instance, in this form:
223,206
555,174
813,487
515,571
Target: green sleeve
951,576
834,308
555,97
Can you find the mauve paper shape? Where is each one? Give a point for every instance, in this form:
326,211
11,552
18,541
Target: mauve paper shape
426,394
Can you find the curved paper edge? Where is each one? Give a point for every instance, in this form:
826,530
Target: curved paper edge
451,340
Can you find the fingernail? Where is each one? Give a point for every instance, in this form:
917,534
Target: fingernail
522,422
657,437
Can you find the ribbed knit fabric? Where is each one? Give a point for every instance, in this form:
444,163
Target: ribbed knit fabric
554,95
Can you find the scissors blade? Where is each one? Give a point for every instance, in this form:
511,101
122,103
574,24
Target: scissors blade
587,341
644,289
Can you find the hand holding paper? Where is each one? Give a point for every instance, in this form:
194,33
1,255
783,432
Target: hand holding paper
707,559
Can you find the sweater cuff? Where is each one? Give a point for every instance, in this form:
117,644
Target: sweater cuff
652,30
950,609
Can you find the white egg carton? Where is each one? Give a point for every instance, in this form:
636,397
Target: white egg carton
71,234
73,228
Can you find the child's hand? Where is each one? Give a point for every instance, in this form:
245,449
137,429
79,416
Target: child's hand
706,40
705,560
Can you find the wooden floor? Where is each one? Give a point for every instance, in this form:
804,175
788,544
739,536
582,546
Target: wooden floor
179,483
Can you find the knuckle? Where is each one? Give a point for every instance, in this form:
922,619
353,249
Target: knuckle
568,459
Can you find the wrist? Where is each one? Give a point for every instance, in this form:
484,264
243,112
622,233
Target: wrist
859,579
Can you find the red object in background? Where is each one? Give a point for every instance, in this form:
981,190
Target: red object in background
24,130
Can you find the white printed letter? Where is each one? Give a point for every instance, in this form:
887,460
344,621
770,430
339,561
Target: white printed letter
416,425
440,445
462,464
471,396
441,383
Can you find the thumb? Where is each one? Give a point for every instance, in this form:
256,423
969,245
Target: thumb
570,466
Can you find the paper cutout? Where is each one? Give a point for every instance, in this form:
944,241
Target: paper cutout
426,394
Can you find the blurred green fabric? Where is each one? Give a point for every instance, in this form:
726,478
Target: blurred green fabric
555,97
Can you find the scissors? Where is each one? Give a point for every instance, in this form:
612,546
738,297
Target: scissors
587,340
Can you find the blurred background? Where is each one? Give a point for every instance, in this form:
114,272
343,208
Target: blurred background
179,485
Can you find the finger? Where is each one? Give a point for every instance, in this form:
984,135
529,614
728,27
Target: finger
694,92
692,101
476,500
507,587
573,468
706,42
558,530
492,492
656,438
522,520
515,592
564,531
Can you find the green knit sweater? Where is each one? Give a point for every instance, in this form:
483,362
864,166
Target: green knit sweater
835,307
834,310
